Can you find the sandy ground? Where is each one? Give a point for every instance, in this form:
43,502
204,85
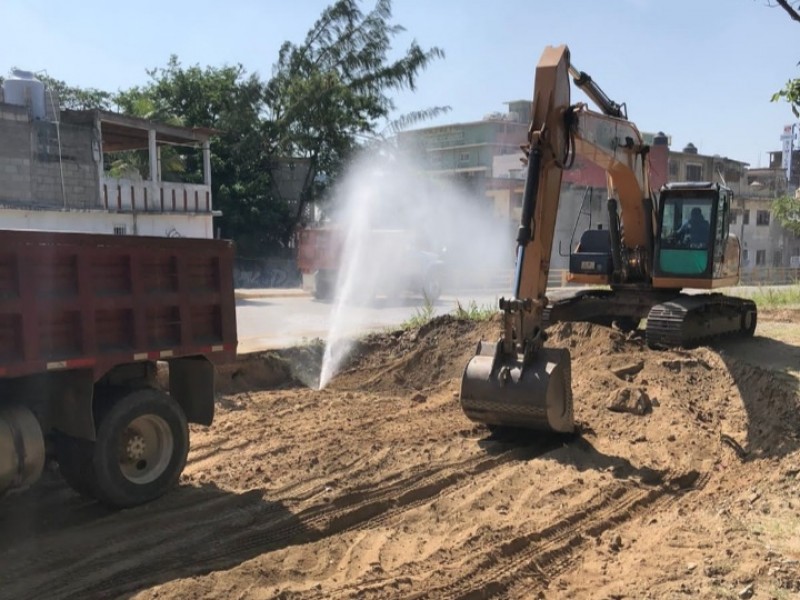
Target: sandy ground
379,487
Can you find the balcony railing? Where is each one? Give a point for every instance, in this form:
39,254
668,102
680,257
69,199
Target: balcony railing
127,195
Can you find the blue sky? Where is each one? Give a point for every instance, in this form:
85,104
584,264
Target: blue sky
701,70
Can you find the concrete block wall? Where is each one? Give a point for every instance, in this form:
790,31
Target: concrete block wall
15,154
32,166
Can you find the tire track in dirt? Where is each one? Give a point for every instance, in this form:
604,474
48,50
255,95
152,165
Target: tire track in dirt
543,553
549,551
132,560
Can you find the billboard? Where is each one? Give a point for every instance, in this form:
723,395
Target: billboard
789,139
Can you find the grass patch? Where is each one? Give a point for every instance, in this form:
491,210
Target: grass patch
473,312
775,297
422,316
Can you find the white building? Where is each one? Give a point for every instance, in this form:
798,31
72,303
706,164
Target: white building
54,170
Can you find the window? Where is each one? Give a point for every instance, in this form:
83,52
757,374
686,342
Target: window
777,258
694,172
762,217
746,217
463,157
735,215
761,258
745,257
120,230
673,168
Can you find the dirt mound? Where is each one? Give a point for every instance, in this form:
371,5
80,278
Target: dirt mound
682,482
415,359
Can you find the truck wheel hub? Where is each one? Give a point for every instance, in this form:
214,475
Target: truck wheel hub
136,447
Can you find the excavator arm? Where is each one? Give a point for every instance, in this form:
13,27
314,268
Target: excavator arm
517,381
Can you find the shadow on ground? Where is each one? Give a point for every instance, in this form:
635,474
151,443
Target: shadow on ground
56,544
767,375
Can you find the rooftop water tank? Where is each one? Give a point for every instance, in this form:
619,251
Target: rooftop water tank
23,89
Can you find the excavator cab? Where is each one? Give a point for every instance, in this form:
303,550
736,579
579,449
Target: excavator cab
694,247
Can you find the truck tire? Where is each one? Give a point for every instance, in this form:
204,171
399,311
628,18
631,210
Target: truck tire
140,452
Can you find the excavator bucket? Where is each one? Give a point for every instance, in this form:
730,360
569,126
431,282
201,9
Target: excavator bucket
509,391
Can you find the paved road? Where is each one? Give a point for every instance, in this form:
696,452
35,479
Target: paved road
279,320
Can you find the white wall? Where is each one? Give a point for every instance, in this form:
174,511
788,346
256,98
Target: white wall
158,225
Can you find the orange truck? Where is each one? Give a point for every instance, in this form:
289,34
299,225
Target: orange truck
320,253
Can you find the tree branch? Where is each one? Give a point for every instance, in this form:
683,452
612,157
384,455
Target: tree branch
792,12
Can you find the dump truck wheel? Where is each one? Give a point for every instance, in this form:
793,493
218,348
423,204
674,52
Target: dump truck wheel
140,451
141,448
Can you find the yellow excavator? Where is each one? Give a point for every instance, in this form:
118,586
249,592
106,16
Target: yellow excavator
655,246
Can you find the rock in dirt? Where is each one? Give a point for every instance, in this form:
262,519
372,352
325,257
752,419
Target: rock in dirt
747,592
419,398
631,400
628,370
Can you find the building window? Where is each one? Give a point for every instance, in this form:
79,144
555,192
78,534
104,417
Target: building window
746,217
694,172
734,216
463,157
762,217
761,258
673,168
120,230
777,258
745,257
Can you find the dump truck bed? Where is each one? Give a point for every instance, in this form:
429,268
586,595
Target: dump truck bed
74,300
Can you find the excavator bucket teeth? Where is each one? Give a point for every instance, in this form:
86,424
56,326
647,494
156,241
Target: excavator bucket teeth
506,391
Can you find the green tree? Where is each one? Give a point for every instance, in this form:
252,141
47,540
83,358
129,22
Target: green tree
330,93
787,211
230,102
76,98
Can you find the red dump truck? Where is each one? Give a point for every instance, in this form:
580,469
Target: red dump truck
84,320
390,264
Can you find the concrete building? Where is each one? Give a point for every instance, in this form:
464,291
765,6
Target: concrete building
54,170
464,152
765,243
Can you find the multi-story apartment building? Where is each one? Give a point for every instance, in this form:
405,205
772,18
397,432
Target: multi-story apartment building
765,243
465,152
485,155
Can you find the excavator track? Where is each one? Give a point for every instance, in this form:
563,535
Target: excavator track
674,320
690,320
625,307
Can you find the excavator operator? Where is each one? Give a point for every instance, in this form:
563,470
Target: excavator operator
696,229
